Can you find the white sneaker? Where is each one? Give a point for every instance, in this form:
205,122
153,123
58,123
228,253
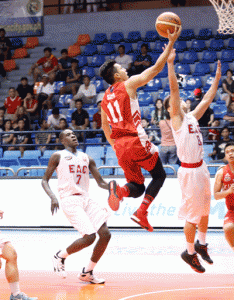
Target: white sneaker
89,277
59,265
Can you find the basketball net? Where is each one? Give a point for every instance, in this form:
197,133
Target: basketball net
225,12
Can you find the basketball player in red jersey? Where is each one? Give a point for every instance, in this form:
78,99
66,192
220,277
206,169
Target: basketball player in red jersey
121,123
224,188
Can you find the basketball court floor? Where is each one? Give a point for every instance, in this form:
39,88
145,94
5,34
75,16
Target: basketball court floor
137,265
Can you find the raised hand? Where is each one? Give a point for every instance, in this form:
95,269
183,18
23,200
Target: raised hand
174,36
218,71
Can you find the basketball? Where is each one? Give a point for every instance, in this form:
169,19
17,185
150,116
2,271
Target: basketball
167,21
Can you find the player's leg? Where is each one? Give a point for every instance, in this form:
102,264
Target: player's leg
12,273
229,234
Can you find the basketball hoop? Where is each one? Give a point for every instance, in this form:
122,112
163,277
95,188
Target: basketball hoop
225,12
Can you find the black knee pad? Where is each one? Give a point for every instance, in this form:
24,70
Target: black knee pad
136,190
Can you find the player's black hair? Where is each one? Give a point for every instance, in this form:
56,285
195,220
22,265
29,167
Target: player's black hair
64,51
107,71
229,144
48,49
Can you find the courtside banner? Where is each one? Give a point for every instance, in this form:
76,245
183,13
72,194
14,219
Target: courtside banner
25,203
22,17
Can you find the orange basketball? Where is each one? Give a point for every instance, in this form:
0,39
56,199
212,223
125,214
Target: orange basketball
167,21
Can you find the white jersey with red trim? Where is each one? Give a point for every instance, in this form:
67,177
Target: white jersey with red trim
189,141
73,173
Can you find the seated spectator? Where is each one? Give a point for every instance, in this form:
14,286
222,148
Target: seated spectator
229,117
3,73
152,134
86,92
45,94
20,137
54,119
188,105
43,137
8,135
80,119
73,80
97,122
24,88
218,153
31,107
62,126
159,113
11,103
228,88
21,114
64,65
123,59
143,61
5,45
214,133
49,65
2,117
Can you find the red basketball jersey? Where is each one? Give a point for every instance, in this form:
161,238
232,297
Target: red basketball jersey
123,114
227,180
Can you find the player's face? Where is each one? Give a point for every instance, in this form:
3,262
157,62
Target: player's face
229,154
69,138
122,73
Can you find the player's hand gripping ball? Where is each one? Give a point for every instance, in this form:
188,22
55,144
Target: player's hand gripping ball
167,21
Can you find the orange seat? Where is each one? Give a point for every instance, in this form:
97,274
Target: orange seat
9,65
20,53
83,39
32,42
74,50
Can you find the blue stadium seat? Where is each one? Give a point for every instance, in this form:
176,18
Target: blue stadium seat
209,57
190,57
99,85
221,36
209,81
58,86
216,45
153,85
22,172
155,55
162,95
187,35
128,47
17,42
230,44
46,156
186,94
224,68
95,152
163,73
97,60
208,148
219,111
180,46
90,50
205,34
170,171
99,39
145,99
198,46
192,82
213,170
227,56
201,69
82,61
112,56
94,141
10,158
133,37
151,36
158,46
31,157
88,71
182,69
1,152
116,37
110,162
107,49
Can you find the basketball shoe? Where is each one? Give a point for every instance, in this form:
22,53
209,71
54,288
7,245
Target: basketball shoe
59,265
140,217
202,250
89,277
193,261
22,296
115,195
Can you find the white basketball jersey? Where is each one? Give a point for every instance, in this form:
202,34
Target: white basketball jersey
189,141
73,173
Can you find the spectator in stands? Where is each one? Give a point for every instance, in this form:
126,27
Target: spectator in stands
167,152
2,117
24,88
5,45
123,59
7,137
80,119
152,134
3,73
97,122
20,137
62,126
11,103
45,94
49,65
21,114
188,105
31,107
143,61
73,79
214,133
159,113
229,117
86,92
228,88
43,137
54,119
64,65
218,153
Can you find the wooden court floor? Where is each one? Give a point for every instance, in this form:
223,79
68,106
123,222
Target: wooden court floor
121,286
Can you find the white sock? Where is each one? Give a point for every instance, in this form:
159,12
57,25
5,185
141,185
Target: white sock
90,266
190,248
201,236
15,289
63,254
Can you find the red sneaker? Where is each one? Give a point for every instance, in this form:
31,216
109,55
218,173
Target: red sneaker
115,195
140,218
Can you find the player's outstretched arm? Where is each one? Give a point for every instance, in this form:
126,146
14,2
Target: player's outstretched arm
52,165
97,176
106,128
209,96
137,81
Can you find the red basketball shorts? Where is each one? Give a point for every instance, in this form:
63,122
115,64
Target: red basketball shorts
229,218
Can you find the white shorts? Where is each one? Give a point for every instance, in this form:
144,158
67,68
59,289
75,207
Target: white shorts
84,214
3,241
196,194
